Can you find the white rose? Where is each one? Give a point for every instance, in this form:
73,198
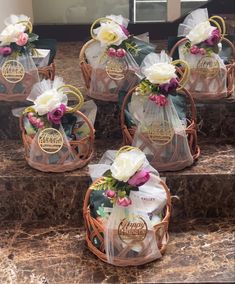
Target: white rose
127,164
200,32
110,33
48,101
119,19
160,73
11,33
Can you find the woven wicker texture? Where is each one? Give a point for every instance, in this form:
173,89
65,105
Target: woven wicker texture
95,228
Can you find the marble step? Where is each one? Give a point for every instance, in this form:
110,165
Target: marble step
199,251
215,119
27,195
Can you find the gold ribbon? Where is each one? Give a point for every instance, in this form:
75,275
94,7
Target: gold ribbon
27,24
71,90
186,73
126,149
221,26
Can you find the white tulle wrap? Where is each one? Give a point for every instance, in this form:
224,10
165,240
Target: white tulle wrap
148,201
174,154
196,27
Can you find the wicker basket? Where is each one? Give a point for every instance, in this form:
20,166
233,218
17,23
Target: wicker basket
81,149
191,130
95,228
47,72
130,78
196,77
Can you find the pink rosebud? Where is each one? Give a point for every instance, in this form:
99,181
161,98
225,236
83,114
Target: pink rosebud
161,100
152,97
111,52
41,124
124,201
121,52
214,38
5,50
110,193
23,39
202,51
56,115
139,178
30,114
33,120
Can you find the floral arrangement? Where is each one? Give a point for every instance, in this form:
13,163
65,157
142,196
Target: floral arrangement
17,36
113,34
203,39
49,106
160,80
126,173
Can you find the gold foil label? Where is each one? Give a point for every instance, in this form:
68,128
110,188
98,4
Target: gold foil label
13,71
116,69
133,228
208,67
160,133
50,140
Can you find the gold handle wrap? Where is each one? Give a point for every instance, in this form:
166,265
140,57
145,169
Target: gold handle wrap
186,73
100,20
75,92
28,25
221,26
126,149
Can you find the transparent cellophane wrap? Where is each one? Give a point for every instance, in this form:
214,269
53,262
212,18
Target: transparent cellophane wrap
121,247
76,130
160,134
207,80
101,85
17,91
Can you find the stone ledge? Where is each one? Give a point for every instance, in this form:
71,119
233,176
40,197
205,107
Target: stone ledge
205,189
198,251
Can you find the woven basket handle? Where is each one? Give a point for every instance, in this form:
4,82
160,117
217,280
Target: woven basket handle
27,24
74,92
100,20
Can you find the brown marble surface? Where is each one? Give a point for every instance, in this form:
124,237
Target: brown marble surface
198,251
27,195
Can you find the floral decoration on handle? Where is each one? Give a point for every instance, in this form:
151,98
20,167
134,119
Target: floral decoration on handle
203,38
126,173
51,104
17,37
112,34
160,77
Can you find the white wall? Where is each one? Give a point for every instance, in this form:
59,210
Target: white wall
17,7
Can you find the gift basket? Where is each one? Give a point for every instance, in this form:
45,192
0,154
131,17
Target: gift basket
154,115
18,72
126,209
57,137
110,60
201,47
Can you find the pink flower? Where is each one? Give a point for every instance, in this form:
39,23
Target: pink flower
124,29
169,87
5,50
56,115
124,201
214,38
111,52
194,49
23,39
110,193
121,52
139,178
160,100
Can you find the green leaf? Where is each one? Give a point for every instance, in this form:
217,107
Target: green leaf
33,37
132,47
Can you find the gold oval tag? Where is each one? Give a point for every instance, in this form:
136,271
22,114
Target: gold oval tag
50,140
13,71
116,69
133,228
160,133
208,66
